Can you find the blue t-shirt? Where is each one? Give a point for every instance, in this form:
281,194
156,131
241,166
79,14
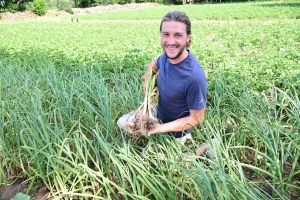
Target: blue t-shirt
182,87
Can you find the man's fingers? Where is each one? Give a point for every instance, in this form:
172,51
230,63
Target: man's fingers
129,124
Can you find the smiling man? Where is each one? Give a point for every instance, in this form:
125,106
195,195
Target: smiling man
181,80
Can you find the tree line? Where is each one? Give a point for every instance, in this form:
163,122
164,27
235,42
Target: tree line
23,5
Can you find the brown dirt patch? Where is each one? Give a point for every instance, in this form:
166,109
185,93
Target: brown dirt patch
8,192
52,14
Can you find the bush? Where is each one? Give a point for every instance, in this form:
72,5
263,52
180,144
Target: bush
64,4
10,7
39,7
69,10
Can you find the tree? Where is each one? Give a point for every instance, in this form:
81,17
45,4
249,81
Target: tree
39,7
15,5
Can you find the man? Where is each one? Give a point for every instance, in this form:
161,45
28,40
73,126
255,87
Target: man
181,81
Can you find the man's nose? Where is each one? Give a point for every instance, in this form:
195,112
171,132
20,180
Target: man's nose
171,40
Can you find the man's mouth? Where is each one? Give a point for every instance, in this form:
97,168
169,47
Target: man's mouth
172,47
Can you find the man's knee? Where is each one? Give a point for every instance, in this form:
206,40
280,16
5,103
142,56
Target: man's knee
184,139
124,120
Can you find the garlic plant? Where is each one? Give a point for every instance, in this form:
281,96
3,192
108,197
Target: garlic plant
144,118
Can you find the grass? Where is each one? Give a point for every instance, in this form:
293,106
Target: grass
63,85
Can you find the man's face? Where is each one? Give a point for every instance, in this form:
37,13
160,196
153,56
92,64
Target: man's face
174,39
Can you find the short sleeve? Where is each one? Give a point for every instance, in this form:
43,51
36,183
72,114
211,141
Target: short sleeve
196,93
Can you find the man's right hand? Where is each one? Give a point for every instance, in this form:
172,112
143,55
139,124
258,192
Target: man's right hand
149,69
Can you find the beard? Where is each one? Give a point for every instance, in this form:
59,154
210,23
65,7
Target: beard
178,54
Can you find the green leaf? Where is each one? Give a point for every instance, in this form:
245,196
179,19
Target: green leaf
21,196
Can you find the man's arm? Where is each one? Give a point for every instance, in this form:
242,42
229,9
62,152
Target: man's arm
148,70
195,118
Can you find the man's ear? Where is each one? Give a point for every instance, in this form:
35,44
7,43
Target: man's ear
188,39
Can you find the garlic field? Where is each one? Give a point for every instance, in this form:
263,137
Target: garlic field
64,84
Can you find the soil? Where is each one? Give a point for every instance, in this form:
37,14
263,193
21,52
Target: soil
54,14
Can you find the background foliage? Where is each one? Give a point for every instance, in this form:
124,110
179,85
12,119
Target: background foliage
39,7
22,5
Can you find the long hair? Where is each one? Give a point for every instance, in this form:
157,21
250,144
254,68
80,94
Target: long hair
178,17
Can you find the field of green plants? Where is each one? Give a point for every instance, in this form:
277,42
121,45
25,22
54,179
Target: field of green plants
64,84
